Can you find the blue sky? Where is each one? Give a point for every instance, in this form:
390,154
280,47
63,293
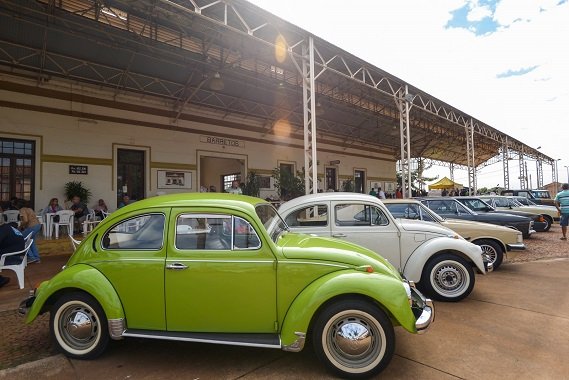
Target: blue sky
503,61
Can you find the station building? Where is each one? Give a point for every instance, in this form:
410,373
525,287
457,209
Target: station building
151,97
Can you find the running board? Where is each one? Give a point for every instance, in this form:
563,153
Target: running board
232,339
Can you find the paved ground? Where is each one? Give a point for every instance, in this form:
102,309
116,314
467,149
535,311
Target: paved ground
515,325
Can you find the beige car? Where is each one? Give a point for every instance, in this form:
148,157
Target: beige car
501,202
495,241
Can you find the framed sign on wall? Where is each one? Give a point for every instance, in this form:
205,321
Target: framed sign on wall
174,179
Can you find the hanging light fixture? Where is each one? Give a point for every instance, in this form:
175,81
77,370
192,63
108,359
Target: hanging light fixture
216,83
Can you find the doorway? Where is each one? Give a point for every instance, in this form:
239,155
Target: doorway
331,179
17,170
359,181
217,173
130,174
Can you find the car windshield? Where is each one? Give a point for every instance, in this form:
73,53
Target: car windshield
477,205
525,201
271,219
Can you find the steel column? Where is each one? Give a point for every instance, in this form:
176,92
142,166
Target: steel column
451,169
309,105
506,164
470,157
523,180
539,174
404,134
555,171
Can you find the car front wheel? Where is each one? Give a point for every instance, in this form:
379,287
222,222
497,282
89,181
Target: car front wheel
354,338
79,326
493,250
447,277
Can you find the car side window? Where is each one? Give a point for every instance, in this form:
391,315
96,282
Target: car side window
311,216
144,232
349,215
442,207
214,232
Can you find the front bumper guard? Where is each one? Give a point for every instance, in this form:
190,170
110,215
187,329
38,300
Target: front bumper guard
516,247
423,308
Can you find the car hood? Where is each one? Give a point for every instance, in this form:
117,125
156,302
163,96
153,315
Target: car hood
493,216
308,247
530,215
424,227
457,224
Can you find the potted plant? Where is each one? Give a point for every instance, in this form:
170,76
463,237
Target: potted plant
252,185
74,188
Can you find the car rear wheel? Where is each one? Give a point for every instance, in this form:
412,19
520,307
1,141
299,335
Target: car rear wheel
354,338
493,250
447,277
79,326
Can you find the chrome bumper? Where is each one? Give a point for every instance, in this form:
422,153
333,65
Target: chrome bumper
516,247
423,308
487,263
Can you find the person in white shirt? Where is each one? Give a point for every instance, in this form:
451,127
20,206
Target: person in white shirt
234,188
380,194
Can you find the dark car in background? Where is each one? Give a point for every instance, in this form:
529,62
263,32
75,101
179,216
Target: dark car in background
450,207
482,206
539,197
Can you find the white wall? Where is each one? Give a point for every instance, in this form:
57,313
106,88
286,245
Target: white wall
82,136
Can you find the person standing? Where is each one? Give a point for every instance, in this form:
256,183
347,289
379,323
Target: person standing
380,193
372,192
562,204
29,224
11,240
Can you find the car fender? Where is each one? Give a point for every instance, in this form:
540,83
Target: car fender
78,277
386,291
413,268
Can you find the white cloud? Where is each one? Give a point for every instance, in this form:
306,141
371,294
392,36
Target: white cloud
479,13
408,39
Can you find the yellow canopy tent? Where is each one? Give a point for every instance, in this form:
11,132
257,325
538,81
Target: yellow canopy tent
445,183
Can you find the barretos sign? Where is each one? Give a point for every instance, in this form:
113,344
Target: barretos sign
222,141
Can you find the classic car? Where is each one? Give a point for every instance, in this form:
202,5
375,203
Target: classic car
223,268
538,196
480,205
450,207
438,259
518,203
495,241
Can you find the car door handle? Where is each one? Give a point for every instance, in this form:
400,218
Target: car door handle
176,266
339,235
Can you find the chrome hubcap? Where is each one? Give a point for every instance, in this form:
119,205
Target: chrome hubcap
490,253
354,341
78,326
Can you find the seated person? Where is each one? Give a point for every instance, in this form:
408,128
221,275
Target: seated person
101,208
11,240
80,211
125,201
52,207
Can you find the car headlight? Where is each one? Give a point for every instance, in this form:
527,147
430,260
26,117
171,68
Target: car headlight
520,238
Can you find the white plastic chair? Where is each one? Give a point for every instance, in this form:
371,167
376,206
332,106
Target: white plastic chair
90,222
74,242
65,219
28,237
12,216
17,268
41,218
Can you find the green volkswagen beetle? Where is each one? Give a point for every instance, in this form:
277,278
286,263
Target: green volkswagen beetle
222,268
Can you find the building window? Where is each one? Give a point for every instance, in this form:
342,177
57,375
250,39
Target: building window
17,168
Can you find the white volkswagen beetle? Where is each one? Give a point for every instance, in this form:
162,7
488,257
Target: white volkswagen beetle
439,260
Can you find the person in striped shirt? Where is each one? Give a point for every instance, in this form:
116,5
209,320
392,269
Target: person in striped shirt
562,204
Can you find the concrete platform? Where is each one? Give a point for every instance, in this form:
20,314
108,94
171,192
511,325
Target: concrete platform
515,325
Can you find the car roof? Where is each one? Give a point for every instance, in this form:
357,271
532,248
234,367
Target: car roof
331,196
400,200
187,199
